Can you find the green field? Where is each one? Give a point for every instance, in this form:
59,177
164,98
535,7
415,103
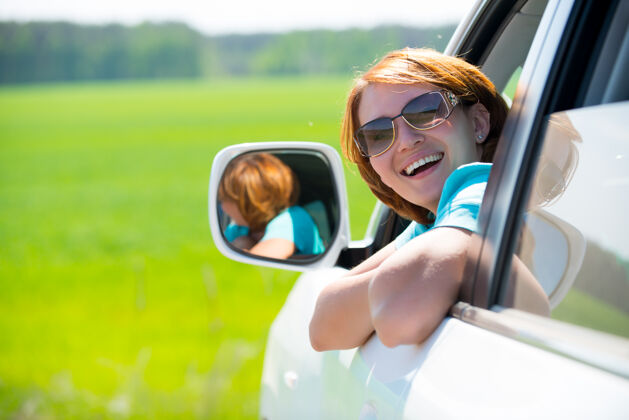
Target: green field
114,301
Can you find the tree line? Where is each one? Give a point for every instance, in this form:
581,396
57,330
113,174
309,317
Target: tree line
62,51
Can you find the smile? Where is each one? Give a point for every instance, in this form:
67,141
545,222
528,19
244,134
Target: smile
422,164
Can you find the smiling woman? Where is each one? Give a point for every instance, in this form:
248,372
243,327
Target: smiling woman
408,74
418,125
428,154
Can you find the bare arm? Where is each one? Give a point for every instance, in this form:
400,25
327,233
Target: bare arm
341,318
274,248
413,290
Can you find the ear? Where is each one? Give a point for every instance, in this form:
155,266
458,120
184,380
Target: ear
480,119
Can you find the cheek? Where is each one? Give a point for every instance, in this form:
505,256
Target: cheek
379,164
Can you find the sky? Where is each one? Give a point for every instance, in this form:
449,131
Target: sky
242,16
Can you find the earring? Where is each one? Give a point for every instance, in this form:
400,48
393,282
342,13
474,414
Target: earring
480,138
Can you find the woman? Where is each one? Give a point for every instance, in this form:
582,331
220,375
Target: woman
258,192
418,125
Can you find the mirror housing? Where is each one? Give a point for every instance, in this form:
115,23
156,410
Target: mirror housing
339,238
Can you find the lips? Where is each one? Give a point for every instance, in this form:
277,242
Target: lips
422,164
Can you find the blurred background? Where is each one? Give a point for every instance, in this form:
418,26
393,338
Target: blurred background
114,302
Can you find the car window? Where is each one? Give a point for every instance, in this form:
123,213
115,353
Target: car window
509,90
502,61
574,235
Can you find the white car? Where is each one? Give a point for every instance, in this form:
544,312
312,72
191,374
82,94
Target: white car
558,198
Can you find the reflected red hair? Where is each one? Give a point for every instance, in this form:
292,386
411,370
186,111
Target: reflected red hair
261,185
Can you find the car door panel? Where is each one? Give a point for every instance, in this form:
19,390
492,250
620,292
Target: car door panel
475,373
292,384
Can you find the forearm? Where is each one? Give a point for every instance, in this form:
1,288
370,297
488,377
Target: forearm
274,248
413,290
341,317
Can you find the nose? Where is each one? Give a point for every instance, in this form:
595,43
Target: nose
406,135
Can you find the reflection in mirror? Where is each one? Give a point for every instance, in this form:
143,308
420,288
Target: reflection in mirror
278,204
551,248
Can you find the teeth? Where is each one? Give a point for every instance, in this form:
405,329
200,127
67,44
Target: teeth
421,162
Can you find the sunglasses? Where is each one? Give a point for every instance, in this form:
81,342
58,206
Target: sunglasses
423,112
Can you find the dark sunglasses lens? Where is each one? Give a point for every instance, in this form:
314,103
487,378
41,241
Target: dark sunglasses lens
426,111
375,137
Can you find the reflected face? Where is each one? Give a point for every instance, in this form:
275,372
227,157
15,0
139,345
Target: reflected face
231,208
418,163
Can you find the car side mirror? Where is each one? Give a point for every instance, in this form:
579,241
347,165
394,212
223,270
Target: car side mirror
279,204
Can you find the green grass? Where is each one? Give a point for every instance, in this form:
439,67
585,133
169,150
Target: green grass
114,302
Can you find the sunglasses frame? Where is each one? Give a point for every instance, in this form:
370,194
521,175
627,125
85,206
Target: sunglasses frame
449,98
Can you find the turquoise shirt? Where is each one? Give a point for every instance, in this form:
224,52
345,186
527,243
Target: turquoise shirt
459,203
293,224
233,231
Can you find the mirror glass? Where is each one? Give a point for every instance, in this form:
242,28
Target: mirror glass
279,204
